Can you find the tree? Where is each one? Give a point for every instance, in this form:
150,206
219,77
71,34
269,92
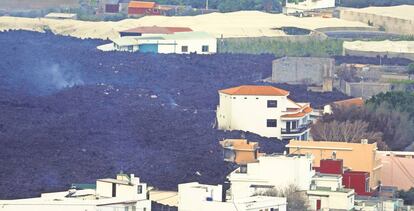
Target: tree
390,114
296,199
347,131
411,68
407,196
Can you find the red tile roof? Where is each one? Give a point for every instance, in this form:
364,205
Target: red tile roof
358,101
158,30
141,4
305,111
255,90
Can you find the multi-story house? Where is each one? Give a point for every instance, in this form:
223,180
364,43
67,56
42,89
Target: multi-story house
271,172
358,157
126,192
264,110
194,196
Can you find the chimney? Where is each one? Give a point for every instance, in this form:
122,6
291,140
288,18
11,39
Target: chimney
132,178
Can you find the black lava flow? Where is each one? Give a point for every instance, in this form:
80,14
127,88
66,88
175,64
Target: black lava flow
71,114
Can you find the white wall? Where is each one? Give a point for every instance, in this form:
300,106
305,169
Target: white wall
312,4
193,197
331,200
194,46
277,171
250,113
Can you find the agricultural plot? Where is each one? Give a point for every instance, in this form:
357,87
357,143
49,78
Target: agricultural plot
71,113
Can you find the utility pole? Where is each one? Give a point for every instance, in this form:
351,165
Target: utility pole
206,4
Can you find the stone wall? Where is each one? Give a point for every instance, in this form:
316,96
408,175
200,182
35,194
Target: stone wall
304,70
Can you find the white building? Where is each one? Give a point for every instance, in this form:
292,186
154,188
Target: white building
179,43
123,193
198,197
271,171
55,15
264,110
307,5
327,193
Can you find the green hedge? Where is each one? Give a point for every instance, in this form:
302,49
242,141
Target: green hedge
318,48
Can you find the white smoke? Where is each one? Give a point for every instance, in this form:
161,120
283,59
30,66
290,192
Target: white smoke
59,78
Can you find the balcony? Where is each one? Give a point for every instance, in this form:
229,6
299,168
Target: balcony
299,130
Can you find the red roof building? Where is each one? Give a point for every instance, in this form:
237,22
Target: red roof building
144,8
255,90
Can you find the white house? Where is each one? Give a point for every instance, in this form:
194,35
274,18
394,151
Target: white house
123,193
327,193
271,171
264,110
179,43
307,5
198,197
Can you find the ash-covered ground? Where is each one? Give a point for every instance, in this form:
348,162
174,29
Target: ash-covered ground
72,114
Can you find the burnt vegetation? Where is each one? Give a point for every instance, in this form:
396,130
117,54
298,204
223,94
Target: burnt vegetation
71,114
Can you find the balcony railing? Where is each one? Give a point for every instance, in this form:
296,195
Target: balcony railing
302,128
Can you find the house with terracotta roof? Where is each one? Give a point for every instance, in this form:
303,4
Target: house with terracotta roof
264,110
240,151
137,8
353,102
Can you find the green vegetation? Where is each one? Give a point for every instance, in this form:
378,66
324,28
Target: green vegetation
398,101
407,196
278,47
396,81
411,68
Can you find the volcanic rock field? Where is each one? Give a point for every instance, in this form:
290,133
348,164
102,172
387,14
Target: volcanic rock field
72,114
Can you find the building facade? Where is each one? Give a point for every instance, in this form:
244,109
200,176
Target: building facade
350,153
307,5
395,19
178,43
264,110
126,192
195,196
271,172
327,193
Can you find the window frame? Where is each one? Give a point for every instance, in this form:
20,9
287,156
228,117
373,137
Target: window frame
184,47
270,105
269,122
205,49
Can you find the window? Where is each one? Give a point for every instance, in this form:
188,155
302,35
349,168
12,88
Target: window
272,103
139,189
271,123
204,48
184,48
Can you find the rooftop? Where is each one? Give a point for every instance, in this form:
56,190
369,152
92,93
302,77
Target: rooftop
358,101
157,30
141,4
402,11
333,145
381,46
60,15
239,144
110,180
125,41
328,189
302,113
255,90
